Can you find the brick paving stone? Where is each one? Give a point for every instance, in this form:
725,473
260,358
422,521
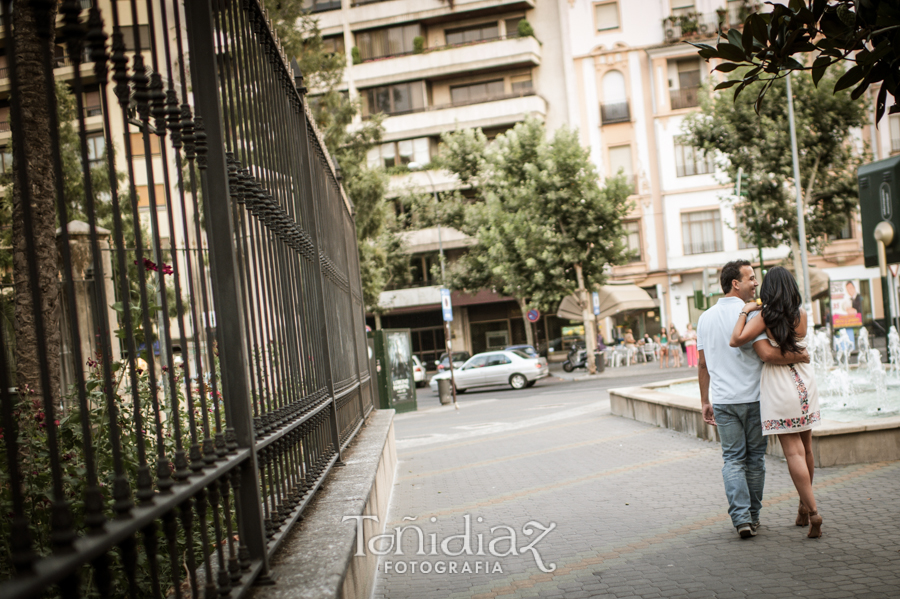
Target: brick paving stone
639,510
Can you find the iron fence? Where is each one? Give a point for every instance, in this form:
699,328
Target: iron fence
159,477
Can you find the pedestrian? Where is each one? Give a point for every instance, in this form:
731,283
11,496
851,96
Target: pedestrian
675,345
630,346
690,345
789,397
730,390
663,349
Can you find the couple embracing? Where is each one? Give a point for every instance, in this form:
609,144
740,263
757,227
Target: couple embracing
755,381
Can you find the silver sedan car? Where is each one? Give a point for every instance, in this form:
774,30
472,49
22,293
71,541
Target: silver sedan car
514,368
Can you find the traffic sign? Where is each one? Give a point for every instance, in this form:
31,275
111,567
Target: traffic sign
533,315
446,306
596,297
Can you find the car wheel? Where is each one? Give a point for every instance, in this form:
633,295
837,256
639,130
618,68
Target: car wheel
518,381
530,383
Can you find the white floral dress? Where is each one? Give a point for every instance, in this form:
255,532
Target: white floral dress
788,397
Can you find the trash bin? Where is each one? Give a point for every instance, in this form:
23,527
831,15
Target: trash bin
444,391
600,361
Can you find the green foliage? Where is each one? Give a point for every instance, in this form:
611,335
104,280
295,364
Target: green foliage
380,246
541,213
864,32
525,29
354,55
418,44
761,145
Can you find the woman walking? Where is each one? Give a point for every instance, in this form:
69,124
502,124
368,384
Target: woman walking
663,349
690,345
789,398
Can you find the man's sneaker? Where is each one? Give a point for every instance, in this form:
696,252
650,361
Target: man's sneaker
746,531
755,527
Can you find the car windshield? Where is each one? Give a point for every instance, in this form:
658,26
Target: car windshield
522,354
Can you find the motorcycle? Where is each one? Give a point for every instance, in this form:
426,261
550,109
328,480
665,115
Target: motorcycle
577,358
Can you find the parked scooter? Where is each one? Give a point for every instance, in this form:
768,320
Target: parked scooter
577,358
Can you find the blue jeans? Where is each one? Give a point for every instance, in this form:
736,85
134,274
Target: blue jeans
744,452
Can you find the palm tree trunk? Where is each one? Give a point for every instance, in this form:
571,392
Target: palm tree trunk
36,149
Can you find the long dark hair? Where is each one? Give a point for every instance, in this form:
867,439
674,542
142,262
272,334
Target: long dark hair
781,307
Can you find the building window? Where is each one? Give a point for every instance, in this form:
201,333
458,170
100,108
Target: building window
606,16
701,232
4,71
846,231
91,103
333,44
681,7
895,132
4,118
393,99
512,26
391,41
633,239
137,145
5,159
320,5
476,92
614,108
128,37
686,73
400,153
477,33
143,192
692,161
521,82
96,144
620,160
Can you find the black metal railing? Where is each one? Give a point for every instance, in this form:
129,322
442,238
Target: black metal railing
684,98
617,112
469,102
218,359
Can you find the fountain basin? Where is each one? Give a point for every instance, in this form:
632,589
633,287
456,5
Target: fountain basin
834,443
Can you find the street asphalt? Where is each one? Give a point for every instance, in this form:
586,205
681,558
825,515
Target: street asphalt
563,499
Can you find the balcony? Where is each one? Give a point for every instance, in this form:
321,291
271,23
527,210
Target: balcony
691,24
507,52
486,112
366,14
617,112
4,127
688,97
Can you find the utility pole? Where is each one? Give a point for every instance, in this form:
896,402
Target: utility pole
590,334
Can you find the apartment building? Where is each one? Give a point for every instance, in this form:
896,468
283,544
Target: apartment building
636,81
433,66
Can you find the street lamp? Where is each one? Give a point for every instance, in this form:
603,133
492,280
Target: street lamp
415,166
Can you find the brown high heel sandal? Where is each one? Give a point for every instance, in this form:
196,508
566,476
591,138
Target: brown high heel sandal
815,525
802,516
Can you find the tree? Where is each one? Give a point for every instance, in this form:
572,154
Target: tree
545,227
864,32
761,146
380,248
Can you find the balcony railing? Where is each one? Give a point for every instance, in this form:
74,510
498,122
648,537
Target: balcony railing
684,98
315,6
4,126
895,144
444,47
4,73
495,98
691,24
364,2
94,110
617,112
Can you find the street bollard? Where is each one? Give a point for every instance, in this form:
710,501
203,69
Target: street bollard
444,392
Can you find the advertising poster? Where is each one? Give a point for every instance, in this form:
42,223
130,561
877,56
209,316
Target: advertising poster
399,356
846,304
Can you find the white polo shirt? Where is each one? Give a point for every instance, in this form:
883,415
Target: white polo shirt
734,372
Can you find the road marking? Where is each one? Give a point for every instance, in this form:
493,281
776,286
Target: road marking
503,427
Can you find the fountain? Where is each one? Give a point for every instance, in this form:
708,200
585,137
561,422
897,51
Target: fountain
860,402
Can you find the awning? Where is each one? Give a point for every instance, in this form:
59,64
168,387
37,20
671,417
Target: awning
614,299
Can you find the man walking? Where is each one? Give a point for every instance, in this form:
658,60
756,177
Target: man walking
729,393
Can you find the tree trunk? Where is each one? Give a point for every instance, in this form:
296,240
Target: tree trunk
590,331
529,331
35,128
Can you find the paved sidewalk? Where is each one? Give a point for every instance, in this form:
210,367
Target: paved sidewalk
638,511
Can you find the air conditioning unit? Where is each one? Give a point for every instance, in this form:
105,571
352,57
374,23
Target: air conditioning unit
673,34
